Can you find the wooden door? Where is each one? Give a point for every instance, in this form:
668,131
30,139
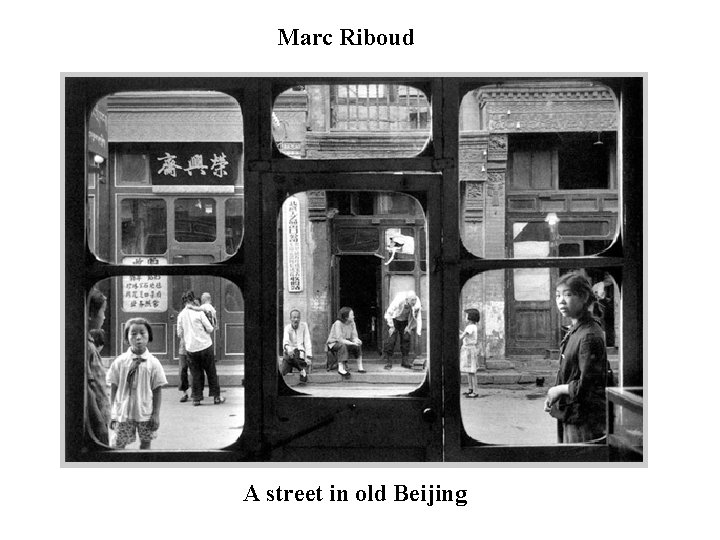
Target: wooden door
528,291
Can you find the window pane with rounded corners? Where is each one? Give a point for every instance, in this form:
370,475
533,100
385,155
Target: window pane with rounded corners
143,226
233,225
339,290
538,169
195,220
165,176
510,349
151,308
351,121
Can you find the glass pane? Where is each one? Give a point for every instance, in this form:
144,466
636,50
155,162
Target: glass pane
351,121
233,225
91,222
195,220
143,226
132,168
540,155
583,228
331,260
358,239
569,250
510,356
164,171
157,304
233,298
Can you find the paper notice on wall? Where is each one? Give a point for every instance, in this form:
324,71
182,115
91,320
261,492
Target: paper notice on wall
291,238
148,293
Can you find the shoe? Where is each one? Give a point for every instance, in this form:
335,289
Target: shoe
196,403
303,379
345,375
184,398
361,371
407,365
473,395
388,366
219,400
467,393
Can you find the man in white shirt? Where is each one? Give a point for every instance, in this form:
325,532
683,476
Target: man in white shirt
403,316
194,328
297,347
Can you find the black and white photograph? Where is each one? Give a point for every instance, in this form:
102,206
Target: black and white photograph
354,269
361,271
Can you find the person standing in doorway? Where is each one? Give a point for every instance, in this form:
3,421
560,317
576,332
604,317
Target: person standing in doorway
195,329
297,347
403,316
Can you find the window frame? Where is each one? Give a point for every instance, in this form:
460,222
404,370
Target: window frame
262,161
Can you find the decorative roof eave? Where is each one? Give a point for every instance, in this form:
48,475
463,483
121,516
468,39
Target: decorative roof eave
545,91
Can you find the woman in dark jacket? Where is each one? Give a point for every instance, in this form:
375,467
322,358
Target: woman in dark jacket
578,398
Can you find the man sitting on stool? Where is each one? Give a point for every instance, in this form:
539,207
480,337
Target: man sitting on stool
402,316
297,347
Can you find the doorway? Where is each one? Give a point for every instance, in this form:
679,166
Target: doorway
359,288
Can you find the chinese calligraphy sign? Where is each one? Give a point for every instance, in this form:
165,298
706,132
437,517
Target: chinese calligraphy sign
174,164
293,254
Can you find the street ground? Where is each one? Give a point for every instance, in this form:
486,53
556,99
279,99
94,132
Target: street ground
510,414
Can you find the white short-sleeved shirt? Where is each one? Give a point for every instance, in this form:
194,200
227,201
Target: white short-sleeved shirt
471,335
195,329
135,403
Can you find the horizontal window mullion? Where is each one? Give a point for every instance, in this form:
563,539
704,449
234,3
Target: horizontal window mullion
344,165
478,265
99,270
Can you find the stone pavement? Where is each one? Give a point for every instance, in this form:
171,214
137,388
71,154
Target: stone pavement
509,409
511,414
517,371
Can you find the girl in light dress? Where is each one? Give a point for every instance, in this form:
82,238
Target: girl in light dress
469,351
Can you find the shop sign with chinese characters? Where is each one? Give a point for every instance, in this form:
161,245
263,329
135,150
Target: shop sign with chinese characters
293,254
193,164
148,293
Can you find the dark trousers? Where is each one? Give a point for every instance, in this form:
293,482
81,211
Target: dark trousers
581,433
202,363
398,335
339,352
296,361
184,381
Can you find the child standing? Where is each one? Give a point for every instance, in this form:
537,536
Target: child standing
136,379
469,352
